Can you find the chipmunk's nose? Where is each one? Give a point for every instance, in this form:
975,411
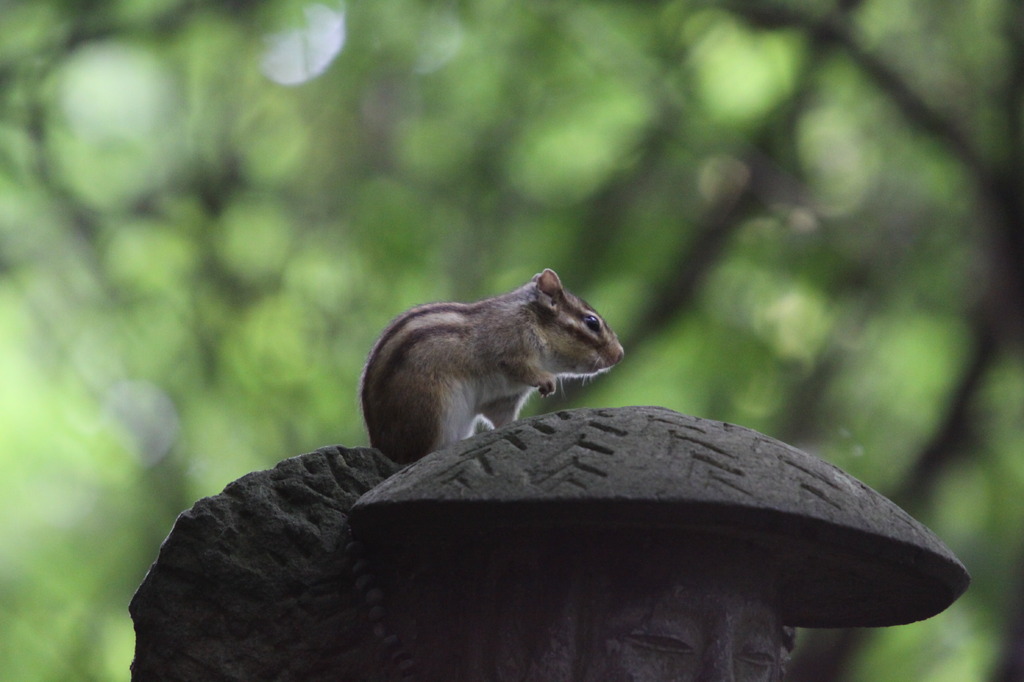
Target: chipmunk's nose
618,354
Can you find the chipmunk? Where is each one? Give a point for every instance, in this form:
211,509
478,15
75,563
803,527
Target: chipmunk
439,368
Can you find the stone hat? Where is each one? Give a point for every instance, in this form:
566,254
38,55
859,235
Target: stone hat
846,555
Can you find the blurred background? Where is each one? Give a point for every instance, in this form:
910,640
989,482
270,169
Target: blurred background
803,216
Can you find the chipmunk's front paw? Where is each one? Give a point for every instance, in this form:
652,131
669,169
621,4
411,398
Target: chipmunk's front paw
546,386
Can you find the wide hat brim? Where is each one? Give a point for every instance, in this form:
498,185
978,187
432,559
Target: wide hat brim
847,556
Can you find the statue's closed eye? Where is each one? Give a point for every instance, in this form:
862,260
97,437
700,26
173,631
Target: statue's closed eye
757,658
661,643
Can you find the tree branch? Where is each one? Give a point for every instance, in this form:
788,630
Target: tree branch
831,32
954,433
1010,667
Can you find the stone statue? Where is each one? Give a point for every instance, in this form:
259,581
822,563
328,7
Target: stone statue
632,544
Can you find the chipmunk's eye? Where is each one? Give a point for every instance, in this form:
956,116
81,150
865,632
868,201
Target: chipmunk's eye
593,324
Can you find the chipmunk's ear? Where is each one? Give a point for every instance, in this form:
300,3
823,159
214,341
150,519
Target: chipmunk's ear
549,287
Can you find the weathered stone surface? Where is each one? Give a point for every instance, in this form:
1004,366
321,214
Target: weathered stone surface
254,583
251,584
848,555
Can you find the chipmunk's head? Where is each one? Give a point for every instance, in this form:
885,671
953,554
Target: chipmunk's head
578,340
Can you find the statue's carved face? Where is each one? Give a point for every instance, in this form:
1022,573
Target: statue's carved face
686,635
571,610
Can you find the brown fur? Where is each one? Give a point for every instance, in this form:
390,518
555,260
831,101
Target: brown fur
438,366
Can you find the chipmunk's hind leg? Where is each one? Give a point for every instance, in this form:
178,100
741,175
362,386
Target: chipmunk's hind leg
504,410
411,436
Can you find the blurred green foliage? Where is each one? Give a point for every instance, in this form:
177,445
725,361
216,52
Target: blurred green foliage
804,217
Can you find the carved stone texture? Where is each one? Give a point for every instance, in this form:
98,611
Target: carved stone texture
252,584
530,605
847,556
